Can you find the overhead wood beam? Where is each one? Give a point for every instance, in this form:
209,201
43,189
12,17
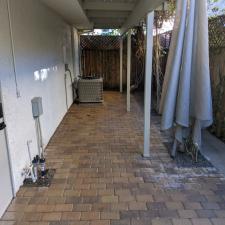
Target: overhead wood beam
108,23
108,20
71,11
107,14
110,6
107,26
139,13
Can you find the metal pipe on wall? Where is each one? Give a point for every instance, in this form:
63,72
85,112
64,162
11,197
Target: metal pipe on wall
13,50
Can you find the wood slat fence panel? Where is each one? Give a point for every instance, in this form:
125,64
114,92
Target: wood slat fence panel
100,57
102,63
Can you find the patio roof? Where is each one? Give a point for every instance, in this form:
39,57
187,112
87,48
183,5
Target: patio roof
103,14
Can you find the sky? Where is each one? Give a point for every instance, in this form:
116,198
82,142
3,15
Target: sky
220,4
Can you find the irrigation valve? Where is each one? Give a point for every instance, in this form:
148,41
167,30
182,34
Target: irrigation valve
36,170
28,173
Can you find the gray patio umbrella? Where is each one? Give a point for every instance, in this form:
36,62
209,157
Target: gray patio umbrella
186,96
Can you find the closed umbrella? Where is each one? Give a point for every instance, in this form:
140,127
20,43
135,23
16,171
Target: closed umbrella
186,102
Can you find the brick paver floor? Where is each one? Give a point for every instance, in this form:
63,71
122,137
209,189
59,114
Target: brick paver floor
101,178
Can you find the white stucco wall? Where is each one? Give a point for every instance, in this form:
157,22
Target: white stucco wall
40,38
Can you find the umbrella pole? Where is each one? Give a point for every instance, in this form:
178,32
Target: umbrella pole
174,148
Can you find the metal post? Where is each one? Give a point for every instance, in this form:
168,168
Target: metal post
121,64
148,83
128,68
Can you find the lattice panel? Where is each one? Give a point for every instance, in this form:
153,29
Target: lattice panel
217,32
100,42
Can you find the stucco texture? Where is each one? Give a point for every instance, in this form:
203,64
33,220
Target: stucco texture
41,42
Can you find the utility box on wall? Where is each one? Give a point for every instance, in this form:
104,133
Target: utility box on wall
37,108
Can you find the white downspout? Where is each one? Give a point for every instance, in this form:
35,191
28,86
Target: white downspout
13,50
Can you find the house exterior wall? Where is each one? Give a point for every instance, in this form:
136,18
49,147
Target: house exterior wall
41,43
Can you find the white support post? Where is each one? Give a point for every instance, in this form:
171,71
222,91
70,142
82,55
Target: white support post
128,68
148,83
121,64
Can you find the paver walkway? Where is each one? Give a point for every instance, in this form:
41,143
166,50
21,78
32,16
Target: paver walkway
101,178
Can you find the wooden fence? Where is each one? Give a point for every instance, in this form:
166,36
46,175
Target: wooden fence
100,57
217,70
102,63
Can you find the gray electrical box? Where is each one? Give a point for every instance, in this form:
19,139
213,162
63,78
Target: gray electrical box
37,108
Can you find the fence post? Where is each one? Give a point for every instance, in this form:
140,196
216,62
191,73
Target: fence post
121,64
128,68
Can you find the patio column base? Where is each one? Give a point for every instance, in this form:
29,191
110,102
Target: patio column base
146,156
